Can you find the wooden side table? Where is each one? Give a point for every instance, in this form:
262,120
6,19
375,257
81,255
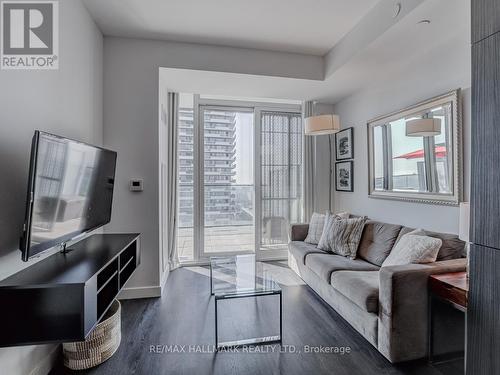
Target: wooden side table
450,288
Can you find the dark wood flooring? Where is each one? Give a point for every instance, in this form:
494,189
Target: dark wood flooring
184,315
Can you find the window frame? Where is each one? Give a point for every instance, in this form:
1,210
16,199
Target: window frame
453,139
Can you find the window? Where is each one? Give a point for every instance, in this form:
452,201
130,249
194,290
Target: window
417,168
281,176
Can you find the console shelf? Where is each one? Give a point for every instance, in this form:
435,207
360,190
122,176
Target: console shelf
63,297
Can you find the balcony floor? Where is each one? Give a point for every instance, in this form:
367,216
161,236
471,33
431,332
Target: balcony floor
228,239
217,240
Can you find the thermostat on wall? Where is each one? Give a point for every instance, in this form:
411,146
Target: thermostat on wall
137,184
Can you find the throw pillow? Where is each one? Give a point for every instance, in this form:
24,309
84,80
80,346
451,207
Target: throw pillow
451,248
343,215
342,236
315,228
323,242
418,232
414,247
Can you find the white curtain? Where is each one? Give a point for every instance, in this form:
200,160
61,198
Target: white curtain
309,166
171,179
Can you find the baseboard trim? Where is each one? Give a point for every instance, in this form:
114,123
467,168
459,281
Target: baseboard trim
48,363
140,292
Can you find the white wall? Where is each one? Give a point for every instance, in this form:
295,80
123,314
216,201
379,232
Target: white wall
66,102
436,72
131,98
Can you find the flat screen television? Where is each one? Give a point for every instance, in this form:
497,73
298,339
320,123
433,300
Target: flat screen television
70,192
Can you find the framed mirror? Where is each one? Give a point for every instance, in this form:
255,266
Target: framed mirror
415,154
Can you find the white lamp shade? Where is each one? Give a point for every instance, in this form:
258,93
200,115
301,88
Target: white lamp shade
323,124
464,221
424,127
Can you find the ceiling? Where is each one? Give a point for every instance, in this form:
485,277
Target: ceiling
369,56
442,45
299,26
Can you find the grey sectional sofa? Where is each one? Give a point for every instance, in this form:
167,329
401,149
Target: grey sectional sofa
387,305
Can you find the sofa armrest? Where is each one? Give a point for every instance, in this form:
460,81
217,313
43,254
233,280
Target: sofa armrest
299,232
403,308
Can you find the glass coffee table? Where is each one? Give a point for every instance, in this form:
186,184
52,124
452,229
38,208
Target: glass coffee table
240,276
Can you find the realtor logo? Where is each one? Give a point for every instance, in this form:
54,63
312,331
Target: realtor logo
29,35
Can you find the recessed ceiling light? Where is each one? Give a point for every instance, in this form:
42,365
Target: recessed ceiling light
424,22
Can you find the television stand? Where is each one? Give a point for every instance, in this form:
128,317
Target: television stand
63,297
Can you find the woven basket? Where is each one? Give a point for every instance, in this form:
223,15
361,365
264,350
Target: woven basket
100,344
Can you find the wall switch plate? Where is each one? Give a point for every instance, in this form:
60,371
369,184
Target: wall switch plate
136,184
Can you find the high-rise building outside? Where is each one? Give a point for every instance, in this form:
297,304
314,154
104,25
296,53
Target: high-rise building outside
219,167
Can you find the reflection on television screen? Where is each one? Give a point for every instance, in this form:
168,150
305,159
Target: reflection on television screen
73,188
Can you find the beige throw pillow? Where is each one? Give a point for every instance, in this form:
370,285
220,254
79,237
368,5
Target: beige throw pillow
414,247
322,243
317,224
343,215
342,236
315,228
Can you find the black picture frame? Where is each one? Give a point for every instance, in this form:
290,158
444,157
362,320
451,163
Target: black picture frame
344,182
344,144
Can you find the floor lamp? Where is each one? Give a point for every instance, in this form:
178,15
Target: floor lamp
324,125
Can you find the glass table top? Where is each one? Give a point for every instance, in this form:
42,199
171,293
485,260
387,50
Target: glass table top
240,275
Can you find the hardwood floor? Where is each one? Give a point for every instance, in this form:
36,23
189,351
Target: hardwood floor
185,316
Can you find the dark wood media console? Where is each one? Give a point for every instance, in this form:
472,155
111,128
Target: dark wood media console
64,296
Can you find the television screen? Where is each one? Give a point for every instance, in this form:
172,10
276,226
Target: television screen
70,191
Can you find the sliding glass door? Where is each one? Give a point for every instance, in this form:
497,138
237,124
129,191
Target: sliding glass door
280,193
228,180
240,178
186,216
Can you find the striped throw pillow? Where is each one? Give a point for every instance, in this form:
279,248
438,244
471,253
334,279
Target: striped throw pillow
342,236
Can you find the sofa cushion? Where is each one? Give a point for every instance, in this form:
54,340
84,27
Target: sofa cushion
361,287
377,241
324,264
451,248
300,249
